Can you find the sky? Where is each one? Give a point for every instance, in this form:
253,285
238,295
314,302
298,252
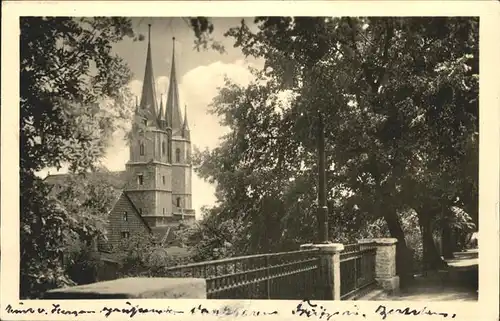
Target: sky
199,73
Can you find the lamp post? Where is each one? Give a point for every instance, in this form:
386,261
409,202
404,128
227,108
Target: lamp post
322,213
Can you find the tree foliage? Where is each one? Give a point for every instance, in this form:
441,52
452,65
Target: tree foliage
211,238
143,255
399,98
73,96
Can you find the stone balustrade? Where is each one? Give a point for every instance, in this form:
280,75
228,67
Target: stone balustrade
330,258
385,265
143,288
385,262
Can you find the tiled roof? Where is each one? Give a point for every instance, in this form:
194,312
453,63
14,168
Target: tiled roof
161,232
136,212
116,179
165,234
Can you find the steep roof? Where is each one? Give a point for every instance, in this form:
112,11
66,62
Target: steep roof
173,104
136,212
162,233
148,97
117,179
185,125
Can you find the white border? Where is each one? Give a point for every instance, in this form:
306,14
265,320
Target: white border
487,306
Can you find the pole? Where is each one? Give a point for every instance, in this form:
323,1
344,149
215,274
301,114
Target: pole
322,207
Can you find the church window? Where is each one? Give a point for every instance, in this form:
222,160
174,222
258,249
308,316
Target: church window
125,216
140,179
169,151
163,179
178,200
141,149
163,211
163,148
177,155
125,235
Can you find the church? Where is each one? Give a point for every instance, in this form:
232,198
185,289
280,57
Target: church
155,188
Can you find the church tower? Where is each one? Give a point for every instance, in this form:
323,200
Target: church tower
181,148
155,181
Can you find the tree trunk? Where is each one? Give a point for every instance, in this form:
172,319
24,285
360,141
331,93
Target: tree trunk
431,258
404,260
447,242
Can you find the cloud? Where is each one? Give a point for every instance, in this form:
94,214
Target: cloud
162,83
198,87
135,87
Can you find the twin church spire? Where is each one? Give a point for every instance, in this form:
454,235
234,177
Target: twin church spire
168,116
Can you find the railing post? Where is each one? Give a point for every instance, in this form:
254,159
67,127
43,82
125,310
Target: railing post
329,269
385,262
268,281
356,273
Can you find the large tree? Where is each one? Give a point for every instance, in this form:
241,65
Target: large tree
72,95
401,126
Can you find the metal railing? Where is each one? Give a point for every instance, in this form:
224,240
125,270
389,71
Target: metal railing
357,270
285,275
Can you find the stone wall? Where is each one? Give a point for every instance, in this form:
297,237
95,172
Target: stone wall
144,201
385,265
385,262
143,288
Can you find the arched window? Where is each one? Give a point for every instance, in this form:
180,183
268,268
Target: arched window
125,216
178,200
163,148
169,151
178,155
141,148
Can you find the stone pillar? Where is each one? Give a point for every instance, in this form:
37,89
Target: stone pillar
385,262
329,268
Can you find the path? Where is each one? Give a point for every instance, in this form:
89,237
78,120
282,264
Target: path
457,283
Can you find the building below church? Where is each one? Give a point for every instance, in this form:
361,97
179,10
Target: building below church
156,192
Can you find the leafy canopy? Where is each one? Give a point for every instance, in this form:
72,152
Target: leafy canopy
401,126
73,96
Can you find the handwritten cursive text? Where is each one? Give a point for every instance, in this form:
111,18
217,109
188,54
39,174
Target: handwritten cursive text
308,309
383,311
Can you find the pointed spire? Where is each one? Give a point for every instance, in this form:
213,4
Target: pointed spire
161,114
148,98
166,115
185,126
173,107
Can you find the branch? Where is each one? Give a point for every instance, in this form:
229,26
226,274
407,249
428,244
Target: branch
385,58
